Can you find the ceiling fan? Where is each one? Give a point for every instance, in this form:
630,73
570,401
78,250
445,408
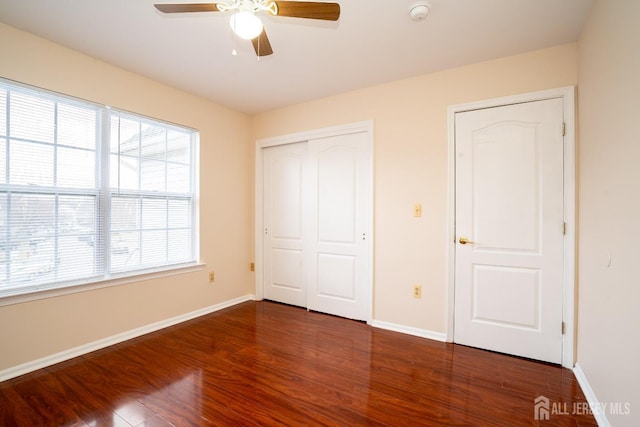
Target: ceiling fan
248,26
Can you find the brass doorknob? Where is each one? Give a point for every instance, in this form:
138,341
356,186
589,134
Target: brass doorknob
463,240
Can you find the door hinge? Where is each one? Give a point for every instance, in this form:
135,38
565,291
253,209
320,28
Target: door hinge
563,328
564,228
564,129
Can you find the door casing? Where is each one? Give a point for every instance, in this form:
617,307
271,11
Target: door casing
364,126
567,94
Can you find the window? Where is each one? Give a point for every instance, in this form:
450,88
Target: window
88,193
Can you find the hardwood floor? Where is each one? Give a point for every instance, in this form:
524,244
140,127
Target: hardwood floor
264,364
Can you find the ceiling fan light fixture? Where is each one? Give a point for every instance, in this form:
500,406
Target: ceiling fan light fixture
246,25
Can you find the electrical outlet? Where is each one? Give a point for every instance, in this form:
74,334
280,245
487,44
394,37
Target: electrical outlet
417,291
252,266
212,277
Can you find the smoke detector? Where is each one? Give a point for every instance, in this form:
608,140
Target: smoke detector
419,10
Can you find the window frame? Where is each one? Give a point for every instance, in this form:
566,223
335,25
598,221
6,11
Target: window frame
104,193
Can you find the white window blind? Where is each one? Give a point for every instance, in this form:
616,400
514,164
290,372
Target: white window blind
151,195
87,192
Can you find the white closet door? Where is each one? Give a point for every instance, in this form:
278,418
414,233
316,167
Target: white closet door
340,191
284,169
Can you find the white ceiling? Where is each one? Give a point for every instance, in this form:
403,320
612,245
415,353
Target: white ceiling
373,42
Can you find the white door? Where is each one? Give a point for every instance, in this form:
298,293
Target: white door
284,169
316,215
340,191
509,206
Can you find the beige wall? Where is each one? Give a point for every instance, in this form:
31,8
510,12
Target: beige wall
36,329
609,158
410,166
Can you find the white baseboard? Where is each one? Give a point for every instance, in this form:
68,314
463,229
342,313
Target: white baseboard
594,403
52,359
409,330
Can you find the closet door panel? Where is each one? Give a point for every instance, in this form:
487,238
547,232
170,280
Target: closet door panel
284,180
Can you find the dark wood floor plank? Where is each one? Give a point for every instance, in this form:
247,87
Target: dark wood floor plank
264,364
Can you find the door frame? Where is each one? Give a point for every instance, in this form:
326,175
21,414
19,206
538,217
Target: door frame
305,136
567,94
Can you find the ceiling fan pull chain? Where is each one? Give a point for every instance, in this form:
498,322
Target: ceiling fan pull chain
234,38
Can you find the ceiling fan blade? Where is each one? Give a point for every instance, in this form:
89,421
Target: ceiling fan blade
309,9
261,44
187,7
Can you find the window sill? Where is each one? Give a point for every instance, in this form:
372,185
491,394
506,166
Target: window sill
114,280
